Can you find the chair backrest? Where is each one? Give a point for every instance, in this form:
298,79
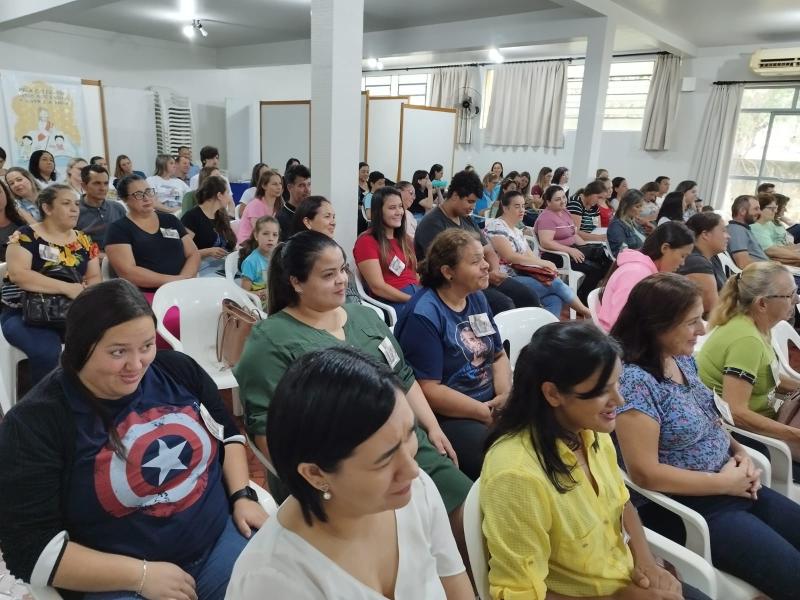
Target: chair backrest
476,545
727,264
516,327
593,302
387,312
782,335
3,269
199,301
232,265
235,226
105,269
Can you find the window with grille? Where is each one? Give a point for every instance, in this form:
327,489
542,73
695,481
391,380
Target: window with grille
413,85
767,143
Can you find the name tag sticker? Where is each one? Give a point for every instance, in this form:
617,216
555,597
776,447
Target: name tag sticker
481,325
389,353
724,409
214,428
49,253
170,233
397,266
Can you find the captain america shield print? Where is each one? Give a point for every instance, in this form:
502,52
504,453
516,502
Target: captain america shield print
166,471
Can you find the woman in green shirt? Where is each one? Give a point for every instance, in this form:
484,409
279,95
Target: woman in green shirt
306,286
737,360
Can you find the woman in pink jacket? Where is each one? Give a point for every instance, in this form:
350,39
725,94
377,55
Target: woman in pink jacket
663,252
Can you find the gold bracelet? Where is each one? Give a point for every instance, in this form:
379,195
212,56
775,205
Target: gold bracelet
144,576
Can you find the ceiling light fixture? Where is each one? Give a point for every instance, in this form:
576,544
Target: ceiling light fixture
372,63
495,56
187,9
379,65
196,27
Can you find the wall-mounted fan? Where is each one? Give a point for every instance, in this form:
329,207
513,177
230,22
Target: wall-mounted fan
470,103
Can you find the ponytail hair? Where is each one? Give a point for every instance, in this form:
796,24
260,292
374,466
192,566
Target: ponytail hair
210,189
742,290
294,258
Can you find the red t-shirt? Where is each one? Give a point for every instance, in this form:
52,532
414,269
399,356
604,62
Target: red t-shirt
367,248
606,212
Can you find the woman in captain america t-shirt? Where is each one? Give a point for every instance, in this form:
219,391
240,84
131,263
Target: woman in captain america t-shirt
123,476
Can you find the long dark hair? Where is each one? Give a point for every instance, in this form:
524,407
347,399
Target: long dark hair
418,174
10,211
96,310
327,403
211,187
646,317
378,230
557,175
294,258
582,350
254,176
435,169
307,209
124,183
615,183
33,165
672,207
673,233
505,200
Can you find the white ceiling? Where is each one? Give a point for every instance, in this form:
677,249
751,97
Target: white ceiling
244,22
723,22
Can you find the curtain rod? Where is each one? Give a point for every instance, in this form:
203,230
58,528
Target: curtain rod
513,62
759,82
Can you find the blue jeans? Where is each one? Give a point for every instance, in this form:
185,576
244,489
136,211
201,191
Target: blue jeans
758,542
41,344
400,306
551,296
211,572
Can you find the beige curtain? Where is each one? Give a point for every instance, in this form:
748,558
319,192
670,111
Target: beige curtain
527,105
447,91
712,157
662,103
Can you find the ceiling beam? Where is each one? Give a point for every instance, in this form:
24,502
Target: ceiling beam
16,13
669,40
524,29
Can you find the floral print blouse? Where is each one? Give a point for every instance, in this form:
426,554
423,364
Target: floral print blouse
47,255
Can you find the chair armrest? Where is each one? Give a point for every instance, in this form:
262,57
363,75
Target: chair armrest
780,459
260,456
390,313
697,535
174,342
266,501
691,568
43,593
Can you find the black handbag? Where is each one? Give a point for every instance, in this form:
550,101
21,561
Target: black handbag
49,310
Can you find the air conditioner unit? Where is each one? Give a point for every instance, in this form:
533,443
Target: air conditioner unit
174,123
776,62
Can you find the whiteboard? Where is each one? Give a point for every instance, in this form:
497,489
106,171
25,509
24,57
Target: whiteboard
427,137
285,132
131,127
383,134
362,147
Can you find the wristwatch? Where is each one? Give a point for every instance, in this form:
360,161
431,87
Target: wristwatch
245,492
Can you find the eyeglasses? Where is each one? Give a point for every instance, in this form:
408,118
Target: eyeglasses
148,193
794,297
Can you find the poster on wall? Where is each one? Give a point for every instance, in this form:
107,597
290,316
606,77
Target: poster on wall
43,112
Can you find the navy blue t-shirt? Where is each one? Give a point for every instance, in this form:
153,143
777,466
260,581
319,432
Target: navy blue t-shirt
440,344
167,501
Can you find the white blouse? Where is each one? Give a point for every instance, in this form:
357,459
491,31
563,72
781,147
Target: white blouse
278,563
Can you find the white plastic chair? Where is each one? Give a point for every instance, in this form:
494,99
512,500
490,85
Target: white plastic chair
232,265
10,357
727,264
389,312
235,223
593,302
572,276
260,457
780,462
782,335
105,269
516,327
698,539
199,301
692,570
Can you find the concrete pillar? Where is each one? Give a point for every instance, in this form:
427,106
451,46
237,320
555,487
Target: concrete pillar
337,31
587,158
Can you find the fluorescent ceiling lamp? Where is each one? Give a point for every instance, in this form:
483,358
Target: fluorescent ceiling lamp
495,56
379,65
188,31
372,63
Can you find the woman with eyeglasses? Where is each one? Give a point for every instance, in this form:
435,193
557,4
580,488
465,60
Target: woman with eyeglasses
150,248
737,360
